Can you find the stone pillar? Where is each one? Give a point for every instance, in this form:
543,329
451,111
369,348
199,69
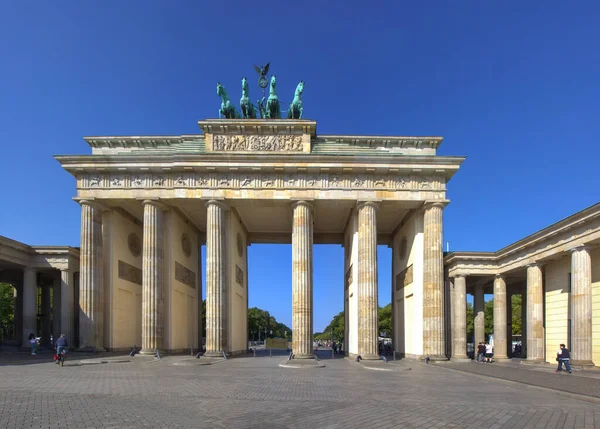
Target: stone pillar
29,304
433,282
581,310
500,339
479,316
302,281
152,278
56,307
368,324
459,319
67,321
524,324
199,291
45,319
91,290
216,279
535,314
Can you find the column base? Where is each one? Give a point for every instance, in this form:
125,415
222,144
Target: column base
304,356
460,359
501,359
584,363
151,352
437,358
213,354
370,357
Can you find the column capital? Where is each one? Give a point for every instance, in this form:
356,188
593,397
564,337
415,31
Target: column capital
68,270
155,202
304,203
361,204
436,203
92,202
499,276
459,276
534,264
579,248
220,203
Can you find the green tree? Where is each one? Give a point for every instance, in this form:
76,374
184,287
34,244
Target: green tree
488,309
385,320
470,322
6,310
517,322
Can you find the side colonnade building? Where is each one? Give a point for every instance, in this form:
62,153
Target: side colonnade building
557,273
148,203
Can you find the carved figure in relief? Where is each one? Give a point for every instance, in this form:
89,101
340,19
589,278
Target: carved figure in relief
180,180
95,180
117,181
247,108
137,181
295,111
227,109
380,181
159,180
247,181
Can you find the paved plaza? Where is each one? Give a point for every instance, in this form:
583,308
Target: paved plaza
257,393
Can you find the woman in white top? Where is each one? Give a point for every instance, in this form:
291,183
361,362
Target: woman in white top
489,352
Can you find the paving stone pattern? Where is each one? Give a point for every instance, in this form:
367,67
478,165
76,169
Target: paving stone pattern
257,393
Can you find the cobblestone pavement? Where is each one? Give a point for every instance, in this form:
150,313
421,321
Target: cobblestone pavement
257,393
579,382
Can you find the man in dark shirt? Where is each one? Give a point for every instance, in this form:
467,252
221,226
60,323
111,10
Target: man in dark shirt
481,352
563,356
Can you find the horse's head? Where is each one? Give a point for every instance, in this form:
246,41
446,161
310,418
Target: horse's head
244,84
273,84
220,89
300,88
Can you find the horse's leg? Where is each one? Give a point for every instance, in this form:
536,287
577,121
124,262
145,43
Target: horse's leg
301,109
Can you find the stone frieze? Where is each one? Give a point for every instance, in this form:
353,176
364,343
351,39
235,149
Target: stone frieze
258,143
184,275
225,180
130,273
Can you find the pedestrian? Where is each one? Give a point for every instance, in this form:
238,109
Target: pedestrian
489,352
563,356
33,343
480,352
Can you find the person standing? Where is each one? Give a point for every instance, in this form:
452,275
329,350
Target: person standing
480,352
33,343
489,352
563,357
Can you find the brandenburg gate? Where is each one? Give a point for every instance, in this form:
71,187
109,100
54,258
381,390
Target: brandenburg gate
148,203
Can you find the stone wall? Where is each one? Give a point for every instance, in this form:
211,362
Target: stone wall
238,285
182,274
351,285
123,281
556,279
407,287
596,306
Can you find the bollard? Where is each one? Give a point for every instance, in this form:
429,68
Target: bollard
254,350
270,355
394,354
332,354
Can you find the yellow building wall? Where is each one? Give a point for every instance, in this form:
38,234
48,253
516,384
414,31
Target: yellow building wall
596,306
123,289
238,286
556,304
181,274
408,298
351,286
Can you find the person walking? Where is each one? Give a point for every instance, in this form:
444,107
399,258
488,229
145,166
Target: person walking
563,356
33,343
480,352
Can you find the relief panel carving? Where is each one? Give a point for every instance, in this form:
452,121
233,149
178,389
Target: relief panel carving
185,276
404,277
253,143
130,273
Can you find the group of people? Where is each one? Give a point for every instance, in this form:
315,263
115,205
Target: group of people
485,352
61,344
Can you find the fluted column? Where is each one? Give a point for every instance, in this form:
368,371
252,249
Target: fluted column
45,319
433,281
152,278
368,324
216,279
91,300
67,321
581,301
29,304
524,323
302,281
500,339
535,314
479,315
459,318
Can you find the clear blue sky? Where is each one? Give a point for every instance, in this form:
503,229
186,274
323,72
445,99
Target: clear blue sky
512,86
